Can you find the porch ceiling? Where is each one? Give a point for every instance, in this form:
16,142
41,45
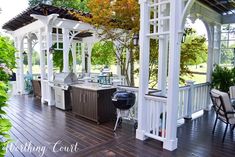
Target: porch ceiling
24,18
223,7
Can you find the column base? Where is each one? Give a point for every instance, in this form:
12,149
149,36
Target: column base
51,103
170,144
140,135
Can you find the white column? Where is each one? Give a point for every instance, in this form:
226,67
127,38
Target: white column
128,63
118,55
74,54
42,66
30,49
66,45
217,42
89,50
144,67
17,56
210,52
51,95
83,57
170,143
21,65
162,63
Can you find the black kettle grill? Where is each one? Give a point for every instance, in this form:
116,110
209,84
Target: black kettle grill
123,101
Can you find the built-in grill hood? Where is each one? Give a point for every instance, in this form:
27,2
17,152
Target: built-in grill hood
65,78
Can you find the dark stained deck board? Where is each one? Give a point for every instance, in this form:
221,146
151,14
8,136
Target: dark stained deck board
36,122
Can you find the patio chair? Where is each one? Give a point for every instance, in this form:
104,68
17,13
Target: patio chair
223,109
232,95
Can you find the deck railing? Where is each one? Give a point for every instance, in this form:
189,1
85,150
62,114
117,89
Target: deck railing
192,98
156,117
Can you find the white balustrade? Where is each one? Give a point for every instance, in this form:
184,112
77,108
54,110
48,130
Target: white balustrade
156,117
200,97
192,98
183,101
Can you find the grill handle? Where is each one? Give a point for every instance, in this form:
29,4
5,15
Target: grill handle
114,99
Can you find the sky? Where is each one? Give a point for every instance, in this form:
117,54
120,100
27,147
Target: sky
11,8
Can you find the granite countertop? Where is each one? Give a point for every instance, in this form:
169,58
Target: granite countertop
93,86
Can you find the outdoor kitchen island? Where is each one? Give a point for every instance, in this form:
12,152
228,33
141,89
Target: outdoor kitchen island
92,101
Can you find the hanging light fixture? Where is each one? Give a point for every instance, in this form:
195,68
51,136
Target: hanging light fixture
24,53
136,39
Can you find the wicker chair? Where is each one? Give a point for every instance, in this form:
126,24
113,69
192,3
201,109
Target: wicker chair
223,109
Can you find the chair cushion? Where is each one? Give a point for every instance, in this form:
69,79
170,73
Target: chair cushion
232,92
225,99
232,120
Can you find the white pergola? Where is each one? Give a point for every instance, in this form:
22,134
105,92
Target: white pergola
164,20
49,30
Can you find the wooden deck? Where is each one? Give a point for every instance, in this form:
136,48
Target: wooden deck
40,126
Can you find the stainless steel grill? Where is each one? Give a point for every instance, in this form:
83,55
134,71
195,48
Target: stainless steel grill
61,84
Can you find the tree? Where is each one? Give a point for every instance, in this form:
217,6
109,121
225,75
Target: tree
76,4
7,63
193,51
58,59
103,53
116,21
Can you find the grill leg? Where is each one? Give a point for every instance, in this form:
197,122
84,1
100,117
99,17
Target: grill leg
118,117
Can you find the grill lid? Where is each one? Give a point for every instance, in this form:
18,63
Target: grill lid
65,78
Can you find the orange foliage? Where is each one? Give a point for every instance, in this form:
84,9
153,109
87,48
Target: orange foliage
109,15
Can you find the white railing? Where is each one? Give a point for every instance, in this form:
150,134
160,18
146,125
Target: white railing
134,109
183,101
156,117
192,98
200,97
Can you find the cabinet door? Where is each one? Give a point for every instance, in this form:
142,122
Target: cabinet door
90,104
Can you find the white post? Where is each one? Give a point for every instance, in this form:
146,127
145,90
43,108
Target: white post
190,100
170,143
29,44
74,54
144,67
217,42
162,63
21,65
42,66
89,49
66,46
83,57
162,49
51,95
17,55
210,52
128,63
118,55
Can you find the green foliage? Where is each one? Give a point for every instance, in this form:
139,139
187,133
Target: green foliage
75,4
7,63
193,51
58,59
103,53
223,78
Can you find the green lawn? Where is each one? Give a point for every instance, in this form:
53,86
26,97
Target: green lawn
96,69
